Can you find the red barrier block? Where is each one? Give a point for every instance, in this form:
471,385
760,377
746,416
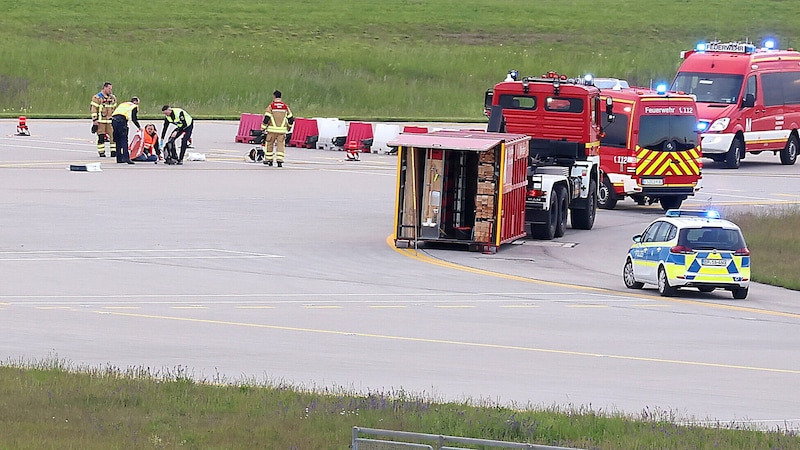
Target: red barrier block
302,130
247,123
414,129
361,132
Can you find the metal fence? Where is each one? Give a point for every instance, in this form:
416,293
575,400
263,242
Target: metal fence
407,440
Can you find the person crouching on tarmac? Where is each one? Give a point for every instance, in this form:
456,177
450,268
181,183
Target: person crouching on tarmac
278,119
184,125
151,148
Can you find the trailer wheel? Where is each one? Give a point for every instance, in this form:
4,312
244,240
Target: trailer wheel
547,230
789,153
583,218
563,207
670,202
734,155
606,198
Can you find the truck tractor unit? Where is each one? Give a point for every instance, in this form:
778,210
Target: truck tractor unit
563,118
651,153
748,99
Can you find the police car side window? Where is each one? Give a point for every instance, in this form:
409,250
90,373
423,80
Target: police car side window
663,232
650,234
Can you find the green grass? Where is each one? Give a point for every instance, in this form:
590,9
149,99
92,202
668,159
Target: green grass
353,59
410,59
51,405
773,238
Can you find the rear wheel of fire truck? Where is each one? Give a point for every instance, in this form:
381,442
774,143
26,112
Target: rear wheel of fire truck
629,278
547,230
789,153
606,197
670,202
663,284
734,155
583,218
563,207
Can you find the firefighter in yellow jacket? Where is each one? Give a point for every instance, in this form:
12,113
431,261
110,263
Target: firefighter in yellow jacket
278,120
103,105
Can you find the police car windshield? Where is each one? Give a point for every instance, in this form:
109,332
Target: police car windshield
668,133
711,238
709,87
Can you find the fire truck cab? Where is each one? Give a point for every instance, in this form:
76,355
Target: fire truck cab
651,152
748,99
562,116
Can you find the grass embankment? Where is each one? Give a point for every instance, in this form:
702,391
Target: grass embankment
56,407
407,60
773,238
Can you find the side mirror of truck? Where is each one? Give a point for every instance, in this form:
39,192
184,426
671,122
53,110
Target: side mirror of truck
748,101
610,109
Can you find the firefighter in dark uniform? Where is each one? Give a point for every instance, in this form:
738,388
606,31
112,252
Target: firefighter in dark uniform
183,125
103,105
278,119
119,121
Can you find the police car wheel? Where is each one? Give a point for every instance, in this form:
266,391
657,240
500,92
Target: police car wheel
629,278
740,293
663,284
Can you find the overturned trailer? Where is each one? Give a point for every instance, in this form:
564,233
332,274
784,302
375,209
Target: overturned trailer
461,187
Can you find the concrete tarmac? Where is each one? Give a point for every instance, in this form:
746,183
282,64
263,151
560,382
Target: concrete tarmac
234,271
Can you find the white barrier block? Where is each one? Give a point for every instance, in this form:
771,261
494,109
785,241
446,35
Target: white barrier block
329,128
383,134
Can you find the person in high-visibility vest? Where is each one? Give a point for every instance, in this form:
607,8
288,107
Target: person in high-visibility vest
103,105
278,120
119,121
184,125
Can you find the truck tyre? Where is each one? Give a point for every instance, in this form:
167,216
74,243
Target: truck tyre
606,197
734,155
663,284
583,218
628,277
670,202
546,231
563,208
789,153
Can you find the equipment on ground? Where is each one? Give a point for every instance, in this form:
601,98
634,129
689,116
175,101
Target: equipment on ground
22,127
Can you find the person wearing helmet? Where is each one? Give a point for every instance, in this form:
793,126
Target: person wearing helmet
278,120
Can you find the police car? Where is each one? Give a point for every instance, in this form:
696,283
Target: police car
689,248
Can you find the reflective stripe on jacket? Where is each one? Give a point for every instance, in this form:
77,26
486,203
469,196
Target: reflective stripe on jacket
180,118
276,118
125,109
103,107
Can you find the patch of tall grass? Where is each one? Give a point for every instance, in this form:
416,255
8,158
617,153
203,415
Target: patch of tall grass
773,237
50,404
412,60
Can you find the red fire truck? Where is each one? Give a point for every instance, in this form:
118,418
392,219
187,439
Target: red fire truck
563,118
748,99
651,153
